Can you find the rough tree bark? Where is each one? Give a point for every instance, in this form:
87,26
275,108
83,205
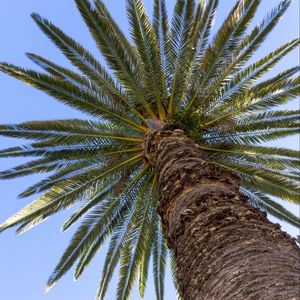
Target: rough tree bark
224,247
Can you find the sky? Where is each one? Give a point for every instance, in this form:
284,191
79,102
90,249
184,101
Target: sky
26,261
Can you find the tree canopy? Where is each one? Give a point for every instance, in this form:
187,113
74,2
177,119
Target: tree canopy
172,74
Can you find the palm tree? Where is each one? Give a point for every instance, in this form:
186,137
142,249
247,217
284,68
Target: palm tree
172,153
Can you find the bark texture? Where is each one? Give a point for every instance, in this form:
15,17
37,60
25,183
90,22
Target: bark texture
224,247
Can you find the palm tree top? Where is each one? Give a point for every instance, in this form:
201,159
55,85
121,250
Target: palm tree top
171,75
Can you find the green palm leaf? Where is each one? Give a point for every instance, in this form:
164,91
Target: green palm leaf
159,261
180,35
265,203
113,51
95,228
118,241
161,31
149,53
94,104
138,242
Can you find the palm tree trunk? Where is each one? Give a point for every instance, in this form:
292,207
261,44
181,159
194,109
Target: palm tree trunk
224,247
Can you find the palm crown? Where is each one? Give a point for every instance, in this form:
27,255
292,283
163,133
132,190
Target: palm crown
172,75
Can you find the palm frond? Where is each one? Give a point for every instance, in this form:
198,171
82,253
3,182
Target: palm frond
91,103
181,46
113,51
274,158
75,128
236,89
252,137
207,21
265,203
269,120
33,167
253,101
225,41
95,228
149,53
173,266
91,163
263,180
269,98
83,60
64,73
131,199
120,236
138,242
144,270
97,192
258,35
105,84
102,192
62,196
256,70
159,260
161,31
115,29
277,79
246,49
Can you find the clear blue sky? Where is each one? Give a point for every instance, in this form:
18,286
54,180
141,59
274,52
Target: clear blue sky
26,261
